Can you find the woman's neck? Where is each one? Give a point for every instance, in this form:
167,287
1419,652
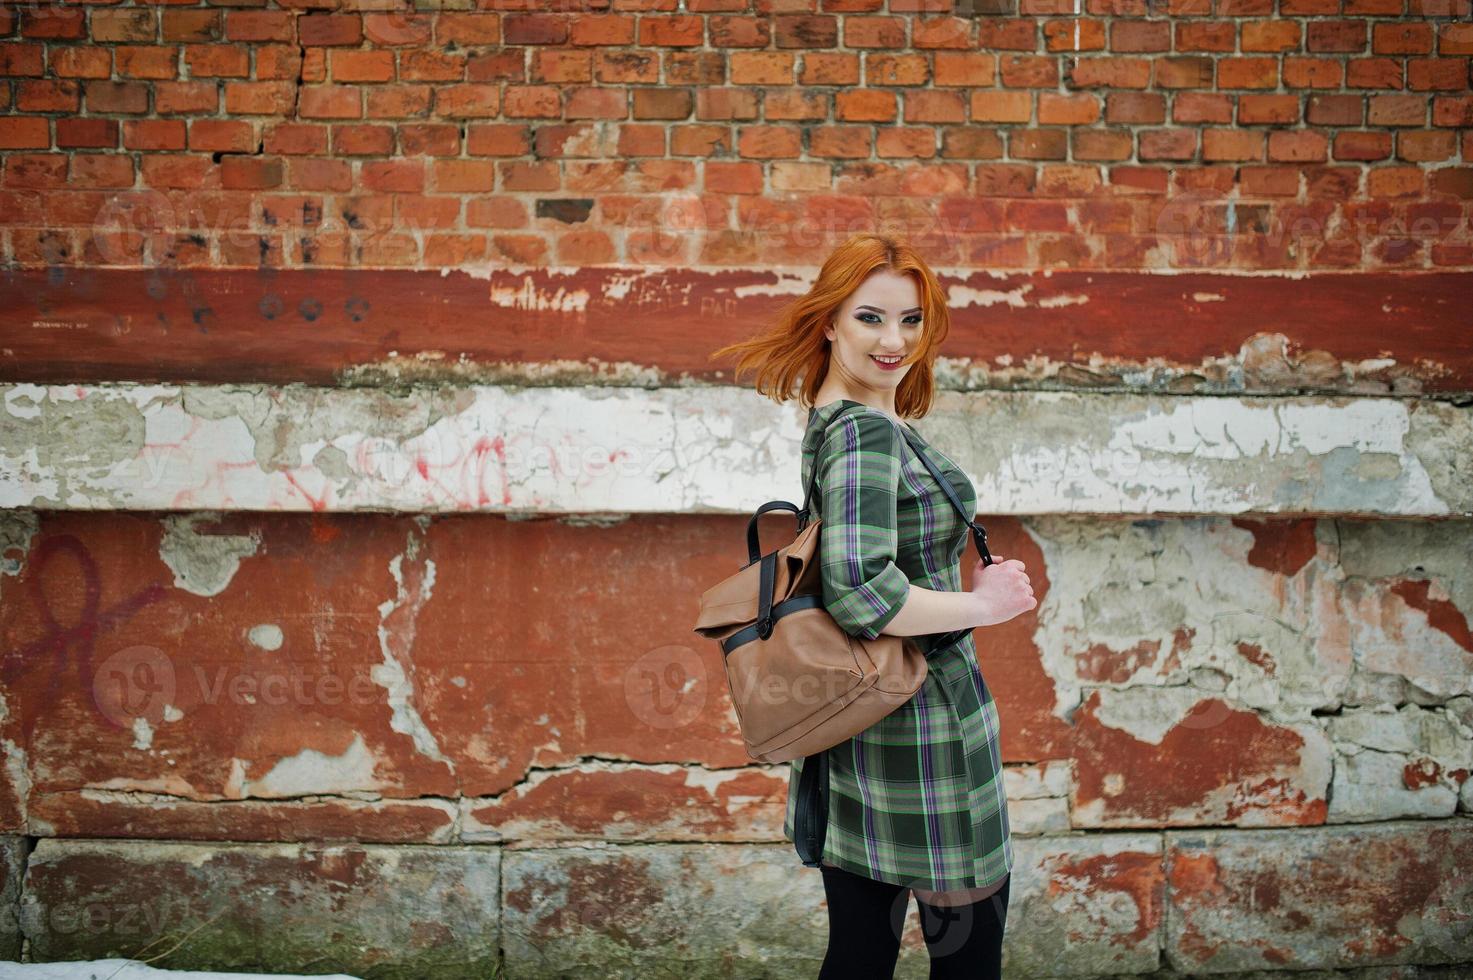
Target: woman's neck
824,398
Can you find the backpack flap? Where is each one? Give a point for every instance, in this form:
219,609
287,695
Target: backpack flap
736,601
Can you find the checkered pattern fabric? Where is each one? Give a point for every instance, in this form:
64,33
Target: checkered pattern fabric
917,798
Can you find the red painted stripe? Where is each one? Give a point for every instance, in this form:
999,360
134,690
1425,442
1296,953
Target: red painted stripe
280,326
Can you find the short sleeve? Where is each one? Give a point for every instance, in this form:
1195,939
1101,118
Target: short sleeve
858,478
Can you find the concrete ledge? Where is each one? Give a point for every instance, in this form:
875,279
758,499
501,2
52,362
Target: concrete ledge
408,911
537,451
1235,903
1376,895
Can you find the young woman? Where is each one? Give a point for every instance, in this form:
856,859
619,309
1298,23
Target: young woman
916,800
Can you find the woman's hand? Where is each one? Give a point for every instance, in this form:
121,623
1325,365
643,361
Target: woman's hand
1002,590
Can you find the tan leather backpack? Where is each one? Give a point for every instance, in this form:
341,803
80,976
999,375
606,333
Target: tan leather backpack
800,684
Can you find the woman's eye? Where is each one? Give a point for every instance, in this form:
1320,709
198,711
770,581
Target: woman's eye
866,318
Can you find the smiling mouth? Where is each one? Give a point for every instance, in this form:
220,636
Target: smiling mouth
888,360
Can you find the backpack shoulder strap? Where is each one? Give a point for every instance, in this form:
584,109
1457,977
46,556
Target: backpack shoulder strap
979,536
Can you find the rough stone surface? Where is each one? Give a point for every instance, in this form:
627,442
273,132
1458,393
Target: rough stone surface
661,911
1350,896
1216,698
1078,905
1083,905
1402,762
1346,902
13,853
399,912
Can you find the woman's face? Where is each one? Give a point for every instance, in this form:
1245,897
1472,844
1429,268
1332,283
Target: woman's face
881,318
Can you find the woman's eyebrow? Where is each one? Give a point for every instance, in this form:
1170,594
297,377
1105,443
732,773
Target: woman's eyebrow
913,309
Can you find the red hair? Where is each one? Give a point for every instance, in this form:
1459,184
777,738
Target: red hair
796,343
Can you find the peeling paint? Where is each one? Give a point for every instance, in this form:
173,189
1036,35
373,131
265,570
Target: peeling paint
960,297
1128,607
1075,321
1265,363
1397,762
267,636
203,564
618,451
18,528
396,632
310,773
1330,899
1057,302
781,284
142,733
1219,764
527,296
420,369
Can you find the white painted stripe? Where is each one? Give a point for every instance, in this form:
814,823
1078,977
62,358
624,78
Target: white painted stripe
706,450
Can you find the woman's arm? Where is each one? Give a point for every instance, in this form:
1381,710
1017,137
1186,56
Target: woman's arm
928,611
999,592
859,465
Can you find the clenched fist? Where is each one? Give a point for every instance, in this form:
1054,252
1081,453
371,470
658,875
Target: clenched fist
1002,590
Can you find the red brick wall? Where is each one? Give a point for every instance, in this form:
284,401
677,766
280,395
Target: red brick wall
727,133
233,198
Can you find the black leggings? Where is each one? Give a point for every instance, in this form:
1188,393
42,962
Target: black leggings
866,918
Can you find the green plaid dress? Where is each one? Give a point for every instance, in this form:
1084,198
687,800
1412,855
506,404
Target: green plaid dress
917,798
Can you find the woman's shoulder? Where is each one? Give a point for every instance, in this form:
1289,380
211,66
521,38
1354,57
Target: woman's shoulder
872,429
821,415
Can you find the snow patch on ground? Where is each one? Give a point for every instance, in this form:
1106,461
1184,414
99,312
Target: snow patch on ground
118,969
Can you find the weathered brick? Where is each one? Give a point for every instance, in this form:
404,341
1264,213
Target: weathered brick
124,25
25,133
321,30
115,97
222,135
87,133
1004,107
535,29
768,142
1313,73
48,96
154,134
